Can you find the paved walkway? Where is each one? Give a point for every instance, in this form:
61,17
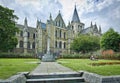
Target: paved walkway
50,68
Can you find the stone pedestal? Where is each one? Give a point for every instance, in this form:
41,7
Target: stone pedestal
48,58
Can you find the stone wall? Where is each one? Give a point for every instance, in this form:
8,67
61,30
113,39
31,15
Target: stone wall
19,78
95,78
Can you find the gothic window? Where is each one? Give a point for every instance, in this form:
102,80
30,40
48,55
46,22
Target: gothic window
62,25
56,44
28,45
72,27
60,44
59,23
64,35
33,45
56,33
21,33
33,35
56,23
60,33
21,44
28,35
64,45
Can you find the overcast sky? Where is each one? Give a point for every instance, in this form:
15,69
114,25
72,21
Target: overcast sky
106,13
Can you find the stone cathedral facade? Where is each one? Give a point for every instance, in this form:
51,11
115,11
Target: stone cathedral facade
34,39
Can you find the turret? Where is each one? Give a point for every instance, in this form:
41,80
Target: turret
50,17
75,18
95,28
25,23
99,29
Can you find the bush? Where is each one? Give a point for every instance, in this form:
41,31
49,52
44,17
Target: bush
16,55
97,54
76,56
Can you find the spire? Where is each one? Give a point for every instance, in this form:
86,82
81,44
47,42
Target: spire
69,23
99,29
75,17
25,21
59,11
95,28
37,23
50,16
91,24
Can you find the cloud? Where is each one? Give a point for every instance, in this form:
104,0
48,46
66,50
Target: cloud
104,12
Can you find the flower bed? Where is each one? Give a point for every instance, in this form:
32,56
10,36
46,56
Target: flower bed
104,63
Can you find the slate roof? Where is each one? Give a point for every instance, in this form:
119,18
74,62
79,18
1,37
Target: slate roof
75,17
85,31
43,25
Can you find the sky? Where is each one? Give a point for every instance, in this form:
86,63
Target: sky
105,13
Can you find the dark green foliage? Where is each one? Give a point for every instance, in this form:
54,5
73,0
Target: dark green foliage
110,40
86,43
76,56
16,55
7,29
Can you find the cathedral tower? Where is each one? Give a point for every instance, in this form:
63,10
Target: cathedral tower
76,25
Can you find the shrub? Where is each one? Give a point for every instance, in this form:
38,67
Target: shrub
76,56
16,55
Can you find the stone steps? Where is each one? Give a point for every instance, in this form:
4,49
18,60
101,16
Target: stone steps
54,75
56,78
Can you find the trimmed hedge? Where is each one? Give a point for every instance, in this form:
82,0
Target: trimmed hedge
76,56
115,56
16,55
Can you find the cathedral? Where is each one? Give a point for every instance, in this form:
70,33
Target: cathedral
33,40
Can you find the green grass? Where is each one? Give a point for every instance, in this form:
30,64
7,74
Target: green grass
83,64
9,67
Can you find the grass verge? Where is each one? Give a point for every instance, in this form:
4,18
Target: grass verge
84,64
9,67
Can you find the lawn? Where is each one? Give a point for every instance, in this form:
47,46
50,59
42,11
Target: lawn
84,64
9,67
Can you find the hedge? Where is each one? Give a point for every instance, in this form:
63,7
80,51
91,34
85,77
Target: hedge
16,55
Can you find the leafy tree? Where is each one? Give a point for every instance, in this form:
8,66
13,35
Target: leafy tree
110,40
85,43
7,29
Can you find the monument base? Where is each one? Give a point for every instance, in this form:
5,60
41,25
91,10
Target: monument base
48,58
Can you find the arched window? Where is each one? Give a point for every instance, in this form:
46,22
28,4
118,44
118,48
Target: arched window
72,27
64,45
28,45
56,44
64,35
33,35
33,45
59,23
60,44
21,33
60,33
28,35
21,44
56,33
56,23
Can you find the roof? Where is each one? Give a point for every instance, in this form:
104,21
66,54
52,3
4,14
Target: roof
86,30
43,25
75,17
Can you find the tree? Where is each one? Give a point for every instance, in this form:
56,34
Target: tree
8,30
85,43
110,40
